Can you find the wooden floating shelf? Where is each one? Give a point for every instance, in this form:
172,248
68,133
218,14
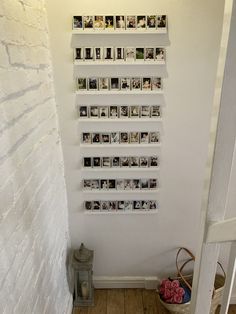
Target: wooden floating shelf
97,93
118,32
120,63
120,212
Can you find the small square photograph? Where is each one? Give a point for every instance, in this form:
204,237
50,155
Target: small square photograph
145,112
128,184
96,205
94,112
136,184
98,53
151,21
119,54
131,22
96,162
130,54
128,205
134,162
144,138
134,111
98,23
144,183
139,54
124,111
134,137
153,205
106,162
153,161
86,184
137,205
103,83
108,53
88,53
95,184
86,138
113,112
114,83
104,184
105,205
136,83
120,22
103,112
83,112
145,205
143,162
79,54
154,137
77,22
141,22
120,205
93,83
88,205
115,137
153,184
115,162
161,21
119,184
109,22
105,138
124,137
113,205
87,162
156,83
155,111
88,22
125,83
160,54
146,83
124,162
112,184
82,83
96,138
149,54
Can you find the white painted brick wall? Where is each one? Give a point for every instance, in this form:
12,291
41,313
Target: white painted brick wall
34,239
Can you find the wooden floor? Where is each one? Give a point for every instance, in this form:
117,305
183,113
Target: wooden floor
127,301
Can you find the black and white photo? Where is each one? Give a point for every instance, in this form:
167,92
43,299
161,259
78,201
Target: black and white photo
145,111
134,111
108,53
134,162
128,184
113,205
120,205
134,137
96,162
125,83
104,205
88,205
106,162
103,83
156,83
98,53
136,83
124,137
79,54
143,162
86,138
93,83
124,162
144,137
87,162
82,83
160,54
153,205
145,205
88,22
115,161
141,22
154,137
78,22
104,184
131,22
114,83
149,54
112,184
96,138
155,111
151,21
153,161
95,184
88,53
115,137
83,112
128,205
144,183
98,22
146,83
87,184
105,138
120,184
130,54
113,112
124,112
153,184
120,22
109,22
119,54
136,184
137,205
103,112
94,112
96,205
161,21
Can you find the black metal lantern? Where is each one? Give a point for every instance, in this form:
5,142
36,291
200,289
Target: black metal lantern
82,263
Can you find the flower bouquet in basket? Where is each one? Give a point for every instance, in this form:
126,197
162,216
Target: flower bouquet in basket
173,292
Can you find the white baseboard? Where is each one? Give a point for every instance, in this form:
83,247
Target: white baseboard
233,299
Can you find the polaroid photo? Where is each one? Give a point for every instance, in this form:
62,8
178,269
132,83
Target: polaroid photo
114,83
146,83
113,205
139,54
88,54
93,83
120,184
141,22
98,23
128,184
137,205
88,22
98,53
131,22
112,184
136,83
124,138
115,162
82,83
96,205
151,22
105,138
156,83
120,22
143,162
105,205
125,83
103,112
115,137
134,162
145,111
87,184
134,111
119,54
144,184
87,163
144,138
109,22
124,111
153,205
153,184
83,111
106,162
136,184
120,205
160,54
113,112
96,138
86,138
88,205
94,112
108,53
77,22
103,83
130,53
149,54
79,54
95,184
134,137
96,162
155,111
153,162
128,205
161,21
154,137
145,205
124,162
104,184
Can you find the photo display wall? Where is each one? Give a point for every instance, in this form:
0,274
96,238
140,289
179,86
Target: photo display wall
119,112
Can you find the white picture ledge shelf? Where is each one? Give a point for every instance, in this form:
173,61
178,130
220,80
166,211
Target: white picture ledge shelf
118,32
147,191
116,120
115,169
119,145
119,92
125,63
120,212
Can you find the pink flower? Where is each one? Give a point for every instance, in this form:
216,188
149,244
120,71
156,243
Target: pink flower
167,294
177,299
172,292
161,290
175,284
167,284
180,291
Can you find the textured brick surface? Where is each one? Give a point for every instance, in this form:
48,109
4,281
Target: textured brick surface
34,237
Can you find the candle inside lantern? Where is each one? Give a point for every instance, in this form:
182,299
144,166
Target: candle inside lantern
85,290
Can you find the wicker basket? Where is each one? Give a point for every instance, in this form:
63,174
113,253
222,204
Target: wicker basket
184,308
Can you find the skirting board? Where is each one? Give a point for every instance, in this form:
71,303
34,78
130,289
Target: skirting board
69,306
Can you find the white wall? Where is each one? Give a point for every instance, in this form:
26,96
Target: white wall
33,207
145,245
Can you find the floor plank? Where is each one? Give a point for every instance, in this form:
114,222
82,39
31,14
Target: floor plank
133,301
100,302
80,310
149,302
115,301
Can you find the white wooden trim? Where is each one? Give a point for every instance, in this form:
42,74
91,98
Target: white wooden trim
223,231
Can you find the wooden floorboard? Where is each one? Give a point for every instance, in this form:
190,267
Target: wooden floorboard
133,301
100,302
149,302
115,301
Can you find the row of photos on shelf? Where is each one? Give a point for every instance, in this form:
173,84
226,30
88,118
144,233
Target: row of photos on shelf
122,161
120,184
119,22
128,54
120,205
121,138
116,112
119,83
